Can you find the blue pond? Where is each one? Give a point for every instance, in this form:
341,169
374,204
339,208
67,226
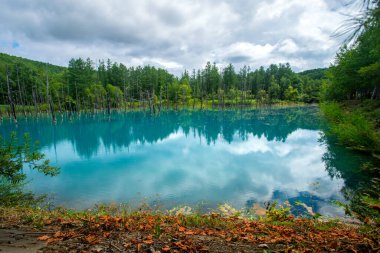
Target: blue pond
240,157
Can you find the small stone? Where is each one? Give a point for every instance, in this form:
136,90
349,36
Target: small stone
97,249
265,246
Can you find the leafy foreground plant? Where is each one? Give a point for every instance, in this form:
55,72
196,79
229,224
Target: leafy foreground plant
13,158
152,232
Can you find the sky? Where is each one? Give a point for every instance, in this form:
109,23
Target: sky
175,35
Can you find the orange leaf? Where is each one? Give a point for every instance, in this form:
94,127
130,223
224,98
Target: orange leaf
50,240
48,222
106,234
148,241
189,232
59,234
181,229
91,239
43,238
166,248
138,247
203,249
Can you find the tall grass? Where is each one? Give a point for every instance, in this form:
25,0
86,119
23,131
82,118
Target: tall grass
351,128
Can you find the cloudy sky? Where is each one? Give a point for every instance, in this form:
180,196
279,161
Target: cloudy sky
174,34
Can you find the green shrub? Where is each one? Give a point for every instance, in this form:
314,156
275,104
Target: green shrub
352,128
13,157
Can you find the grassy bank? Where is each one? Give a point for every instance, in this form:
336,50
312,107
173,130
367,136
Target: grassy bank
115,229
355,124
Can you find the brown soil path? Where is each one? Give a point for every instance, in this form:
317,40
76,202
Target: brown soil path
18,241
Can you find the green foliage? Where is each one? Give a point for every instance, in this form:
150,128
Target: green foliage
13,158
114,94
315,74
184,91
81,85
262,96
351,128
202,221
356,73
274,90
277,213
96,94
291,93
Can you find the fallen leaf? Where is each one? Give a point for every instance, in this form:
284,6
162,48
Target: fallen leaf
43,238
148,241
181,229
58,234
50,240
48,222
166,248
91,239
138,247
203,249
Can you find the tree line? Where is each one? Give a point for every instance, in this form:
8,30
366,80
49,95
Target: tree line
28,86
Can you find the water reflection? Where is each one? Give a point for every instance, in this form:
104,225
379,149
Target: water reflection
241,157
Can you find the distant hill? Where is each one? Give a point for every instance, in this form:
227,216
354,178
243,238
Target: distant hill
9,60
315,74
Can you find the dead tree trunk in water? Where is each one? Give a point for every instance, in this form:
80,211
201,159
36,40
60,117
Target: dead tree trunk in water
176,100
20,92
108,105
160,103
11,103
35,102
77,106
51,106
125,98
149,102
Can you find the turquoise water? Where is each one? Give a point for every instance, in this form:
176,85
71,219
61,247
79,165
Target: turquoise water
240,157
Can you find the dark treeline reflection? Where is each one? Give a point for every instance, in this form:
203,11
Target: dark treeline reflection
87,132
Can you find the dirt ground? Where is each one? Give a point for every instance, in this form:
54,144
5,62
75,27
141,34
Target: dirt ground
20,241
155,233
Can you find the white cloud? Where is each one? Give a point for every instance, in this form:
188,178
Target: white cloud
250,50
288,46
173,34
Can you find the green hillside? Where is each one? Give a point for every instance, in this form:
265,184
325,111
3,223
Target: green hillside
315,74
9,60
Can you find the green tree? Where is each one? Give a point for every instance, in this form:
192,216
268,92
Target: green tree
13,158
184,91
274,89
262,96
356,73
291,93
96,95
114,94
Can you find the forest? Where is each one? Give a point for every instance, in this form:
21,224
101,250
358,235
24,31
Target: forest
28,86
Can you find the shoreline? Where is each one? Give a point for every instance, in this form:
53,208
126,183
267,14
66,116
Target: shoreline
143,231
